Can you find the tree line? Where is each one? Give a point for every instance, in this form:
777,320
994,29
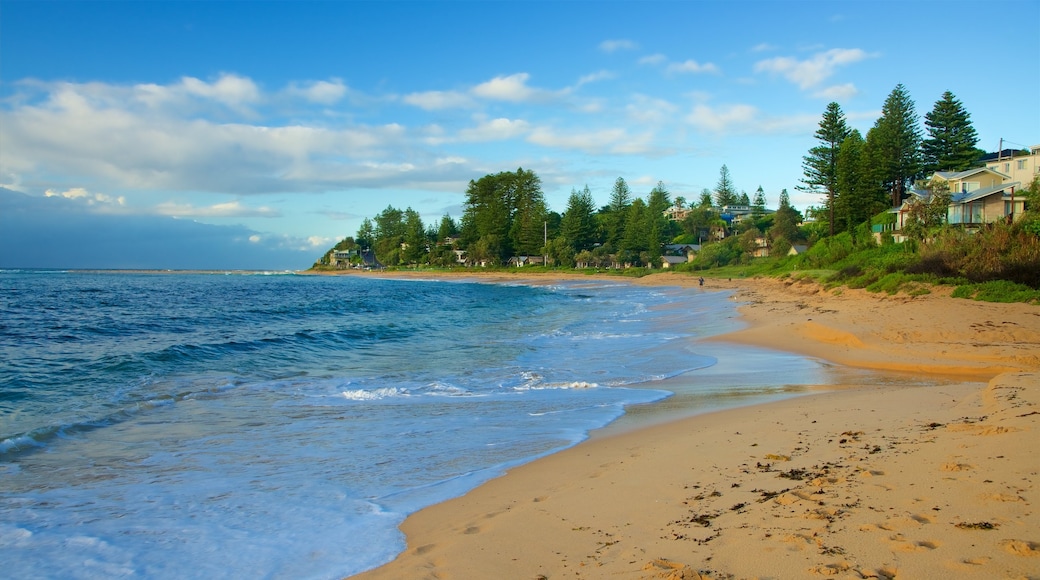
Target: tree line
505,215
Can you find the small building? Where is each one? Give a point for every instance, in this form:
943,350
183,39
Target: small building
671,261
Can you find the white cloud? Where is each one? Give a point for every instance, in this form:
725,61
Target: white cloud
107,134
838,92
436,100
650,111
692,66
495,130
255,239
512,88
223,210
616,45
763,47
722,119
594,77
653,59
614,141
746,119
813,71
91,199
321,92
320,241
232,90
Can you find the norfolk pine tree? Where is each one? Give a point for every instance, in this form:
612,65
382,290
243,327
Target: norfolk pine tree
820,165
725,194
895,143
950,145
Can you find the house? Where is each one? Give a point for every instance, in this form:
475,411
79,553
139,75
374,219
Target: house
670,261
735,214
686,250
977,196
762,246
521,261
341,258
797,249
1023,168
676,213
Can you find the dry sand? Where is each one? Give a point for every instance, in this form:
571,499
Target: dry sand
870,482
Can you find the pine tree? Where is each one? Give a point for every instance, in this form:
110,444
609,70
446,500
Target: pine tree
897,141
725,194
820,165
859,196
579,223
659,228
951,137
758,205
785,223
705,200
620,199
527,230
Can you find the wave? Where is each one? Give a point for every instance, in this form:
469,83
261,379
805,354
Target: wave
376,394
39,438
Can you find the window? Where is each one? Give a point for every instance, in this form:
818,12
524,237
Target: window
1007,167
1021,164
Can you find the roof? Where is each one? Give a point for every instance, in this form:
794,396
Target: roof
953,175
981,193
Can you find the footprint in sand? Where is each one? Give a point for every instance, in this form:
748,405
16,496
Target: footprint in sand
1021,548
953,466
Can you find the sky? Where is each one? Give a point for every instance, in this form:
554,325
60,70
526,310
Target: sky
254,135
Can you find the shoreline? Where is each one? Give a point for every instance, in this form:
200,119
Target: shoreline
865,481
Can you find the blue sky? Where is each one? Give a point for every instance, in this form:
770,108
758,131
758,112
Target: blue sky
256,134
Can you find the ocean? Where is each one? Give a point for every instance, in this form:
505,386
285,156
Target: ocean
165,425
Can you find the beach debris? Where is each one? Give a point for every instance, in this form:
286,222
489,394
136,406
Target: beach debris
977,526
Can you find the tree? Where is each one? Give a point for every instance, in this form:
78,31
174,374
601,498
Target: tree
389,235
506,212
659,228
448,229
744,199
820,165
785,224
848,182
527,228
929,212
950,145
366,234
634,239
725,194
579,223
896,146
758,205
705,200
414,247
620,199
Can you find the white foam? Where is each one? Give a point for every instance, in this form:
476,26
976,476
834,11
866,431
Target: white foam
375,395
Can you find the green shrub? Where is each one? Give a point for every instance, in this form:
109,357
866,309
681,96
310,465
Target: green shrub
998,291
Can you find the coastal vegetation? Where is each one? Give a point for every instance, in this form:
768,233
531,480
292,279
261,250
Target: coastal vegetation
846,241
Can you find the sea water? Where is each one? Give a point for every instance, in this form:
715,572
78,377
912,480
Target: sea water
225,426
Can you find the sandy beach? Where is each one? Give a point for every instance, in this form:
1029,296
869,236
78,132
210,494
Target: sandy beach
872,481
